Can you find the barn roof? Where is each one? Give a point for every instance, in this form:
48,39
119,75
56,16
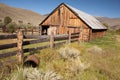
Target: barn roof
88,19
91,21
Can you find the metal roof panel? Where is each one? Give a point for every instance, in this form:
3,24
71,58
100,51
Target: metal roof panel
90,20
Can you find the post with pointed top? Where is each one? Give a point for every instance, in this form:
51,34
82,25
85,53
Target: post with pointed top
52,40
19,46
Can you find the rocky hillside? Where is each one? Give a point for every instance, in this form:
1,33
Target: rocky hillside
113,23
18,14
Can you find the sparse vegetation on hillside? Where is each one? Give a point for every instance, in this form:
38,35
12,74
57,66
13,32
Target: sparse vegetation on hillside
18,14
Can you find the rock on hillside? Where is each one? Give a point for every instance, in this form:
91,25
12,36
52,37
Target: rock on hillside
18,14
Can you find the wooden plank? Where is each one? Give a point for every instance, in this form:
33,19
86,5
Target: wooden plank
62,36
75,33
46,39
42,47
76,36
35,41
8,54
6,46
43,39
9,36
36,48
35,36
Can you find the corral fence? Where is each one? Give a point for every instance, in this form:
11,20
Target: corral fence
67,38
29,31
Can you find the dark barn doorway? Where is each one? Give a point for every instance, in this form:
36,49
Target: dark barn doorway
45,30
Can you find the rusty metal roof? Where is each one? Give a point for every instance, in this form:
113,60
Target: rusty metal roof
88,19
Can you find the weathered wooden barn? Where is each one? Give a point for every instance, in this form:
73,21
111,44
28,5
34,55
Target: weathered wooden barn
65,18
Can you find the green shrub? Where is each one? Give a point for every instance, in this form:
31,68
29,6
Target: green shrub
7,20
11,27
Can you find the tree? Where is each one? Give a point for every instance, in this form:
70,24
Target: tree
11,27
7,20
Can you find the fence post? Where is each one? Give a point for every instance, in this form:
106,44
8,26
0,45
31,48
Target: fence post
40,30
19,46
69,36
52,40
80,34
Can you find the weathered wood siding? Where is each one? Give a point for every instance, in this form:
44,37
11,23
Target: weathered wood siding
98,33
62,17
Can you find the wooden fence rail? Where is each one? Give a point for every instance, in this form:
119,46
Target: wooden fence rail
8,54
10,36
36,39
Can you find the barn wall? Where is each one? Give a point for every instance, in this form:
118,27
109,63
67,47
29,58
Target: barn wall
62,17
98,33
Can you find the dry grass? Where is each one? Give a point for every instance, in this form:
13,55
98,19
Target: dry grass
89,64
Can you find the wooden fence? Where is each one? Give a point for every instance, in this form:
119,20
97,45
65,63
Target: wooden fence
32,31
36,39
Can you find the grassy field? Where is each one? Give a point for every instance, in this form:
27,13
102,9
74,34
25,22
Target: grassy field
95,60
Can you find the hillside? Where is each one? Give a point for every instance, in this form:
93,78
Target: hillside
27,16
114,23
18,14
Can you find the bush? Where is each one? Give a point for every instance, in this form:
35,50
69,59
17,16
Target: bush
95,50
69,53
34,74
7,20
11,27
74,63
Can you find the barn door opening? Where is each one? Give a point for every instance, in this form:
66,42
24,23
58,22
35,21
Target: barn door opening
45,30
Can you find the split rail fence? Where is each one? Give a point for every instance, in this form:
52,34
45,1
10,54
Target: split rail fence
67,38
